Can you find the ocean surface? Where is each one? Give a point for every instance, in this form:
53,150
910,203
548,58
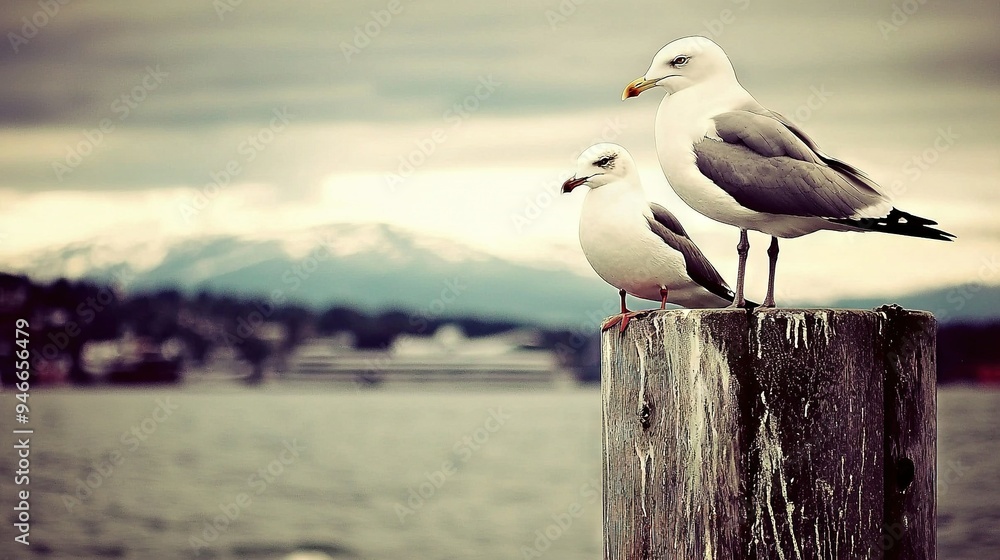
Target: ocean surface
316,471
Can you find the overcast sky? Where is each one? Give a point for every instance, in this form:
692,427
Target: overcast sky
140,123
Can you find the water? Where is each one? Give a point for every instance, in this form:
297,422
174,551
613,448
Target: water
968,485
333,469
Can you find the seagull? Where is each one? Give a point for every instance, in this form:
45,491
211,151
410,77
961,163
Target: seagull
735,161
637,246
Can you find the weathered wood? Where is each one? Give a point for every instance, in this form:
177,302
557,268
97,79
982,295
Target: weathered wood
775,434
911,438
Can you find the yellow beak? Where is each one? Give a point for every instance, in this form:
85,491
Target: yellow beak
637,86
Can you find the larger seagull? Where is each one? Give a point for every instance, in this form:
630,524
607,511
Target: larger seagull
733,160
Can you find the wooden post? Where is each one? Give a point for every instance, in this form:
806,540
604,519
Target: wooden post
782,433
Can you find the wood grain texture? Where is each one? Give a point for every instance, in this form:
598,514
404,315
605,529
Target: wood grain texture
910,449
775,434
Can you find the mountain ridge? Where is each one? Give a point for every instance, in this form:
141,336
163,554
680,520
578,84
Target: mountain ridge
381,267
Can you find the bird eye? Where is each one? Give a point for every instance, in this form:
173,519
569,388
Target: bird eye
603,162
679,61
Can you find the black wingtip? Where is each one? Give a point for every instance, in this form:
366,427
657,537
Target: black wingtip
900,223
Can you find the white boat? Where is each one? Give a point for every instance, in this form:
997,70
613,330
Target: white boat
447,356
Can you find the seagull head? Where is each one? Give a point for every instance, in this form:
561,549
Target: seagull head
599,165
681,64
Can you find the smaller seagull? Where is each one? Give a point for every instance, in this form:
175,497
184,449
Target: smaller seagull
637,246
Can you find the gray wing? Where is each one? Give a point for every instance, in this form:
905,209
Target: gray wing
852,172
699,269
767,165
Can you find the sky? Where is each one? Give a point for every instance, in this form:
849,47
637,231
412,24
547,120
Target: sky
141,124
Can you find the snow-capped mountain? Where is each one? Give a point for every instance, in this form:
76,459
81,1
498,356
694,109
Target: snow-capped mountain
372,266
377,266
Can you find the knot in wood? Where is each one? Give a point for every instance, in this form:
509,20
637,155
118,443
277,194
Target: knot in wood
645,415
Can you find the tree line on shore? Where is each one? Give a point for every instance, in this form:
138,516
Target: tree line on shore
65,315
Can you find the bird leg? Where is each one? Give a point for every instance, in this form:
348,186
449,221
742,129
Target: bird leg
772,255
742,249
622,318
663,298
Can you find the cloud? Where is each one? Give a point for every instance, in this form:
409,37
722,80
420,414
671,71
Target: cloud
480,207
355,123
259,56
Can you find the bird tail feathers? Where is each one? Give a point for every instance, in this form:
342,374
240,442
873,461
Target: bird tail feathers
900,223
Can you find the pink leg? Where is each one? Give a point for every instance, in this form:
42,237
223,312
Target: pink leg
622,318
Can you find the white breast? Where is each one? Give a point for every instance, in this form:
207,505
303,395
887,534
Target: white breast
679,125
622,249
684,119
